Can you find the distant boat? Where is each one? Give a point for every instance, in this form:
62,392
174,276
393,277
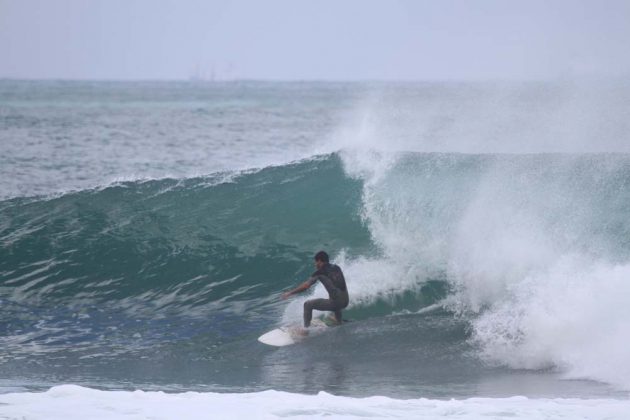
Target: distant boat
199,75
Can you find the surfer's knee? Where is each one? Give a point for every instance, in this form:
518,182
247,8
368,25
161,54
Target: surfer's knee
308,305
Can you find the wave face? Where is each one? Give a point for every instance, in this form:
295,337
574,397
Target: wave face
452,261
198,248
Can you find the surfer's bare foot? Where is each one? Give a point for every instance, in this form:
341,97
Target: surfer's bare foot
303,332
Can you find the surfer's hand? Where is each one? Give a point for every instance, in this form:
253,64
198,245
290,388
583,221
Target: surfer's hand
286,295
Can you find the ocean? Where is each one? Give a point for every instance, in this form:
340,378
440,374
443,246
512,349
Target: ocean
148,229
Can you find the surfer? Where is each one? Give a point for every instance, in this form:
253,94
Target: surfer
331,276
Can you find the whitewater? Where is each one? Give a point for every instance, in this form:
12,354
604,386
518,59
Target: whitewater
147,230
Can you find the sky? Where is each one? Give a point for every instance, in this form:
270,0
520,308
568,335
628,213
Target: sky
314,40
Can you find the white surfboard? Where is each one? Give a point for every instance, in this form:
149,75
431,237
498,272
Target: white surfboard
291,334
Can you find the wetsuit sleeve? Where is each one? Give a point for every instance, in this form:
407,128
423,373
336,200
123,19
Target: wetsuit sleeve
314,277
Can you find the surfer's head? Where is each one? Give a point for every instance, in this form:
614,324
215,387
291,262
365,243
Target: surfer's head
321,258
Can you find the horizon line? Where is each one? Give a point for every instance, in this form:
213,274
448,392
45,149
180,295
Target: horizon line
294,80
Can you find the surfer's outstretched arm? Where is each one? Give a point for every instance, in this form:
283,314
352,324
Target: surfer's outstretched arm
302,287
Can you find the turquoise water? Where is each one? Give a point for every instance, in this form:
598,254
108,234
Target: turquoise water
487,274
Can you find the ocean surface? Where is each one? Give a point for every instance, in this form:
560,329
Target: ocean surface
148,229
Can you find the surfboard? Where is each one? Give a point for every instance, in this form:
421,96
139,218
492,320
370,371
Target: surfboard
291,334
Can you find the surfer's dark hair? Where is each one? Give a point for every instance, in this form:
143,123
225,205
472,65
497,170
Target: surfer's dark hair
321,256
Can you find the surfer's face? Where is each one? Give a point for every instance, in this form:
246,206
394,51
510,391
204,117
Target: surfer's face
319,264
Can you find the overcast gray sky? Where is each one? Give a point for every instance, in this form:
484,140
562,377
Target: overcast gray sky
318,39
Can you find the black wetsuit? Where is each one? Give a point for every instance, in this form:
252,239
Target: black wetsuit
331,276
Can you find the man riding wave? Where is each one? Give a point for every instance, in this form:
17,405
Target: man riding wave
331,276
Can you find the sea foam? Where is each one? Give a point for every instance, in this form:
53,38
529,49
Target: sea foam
69,402
533,247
